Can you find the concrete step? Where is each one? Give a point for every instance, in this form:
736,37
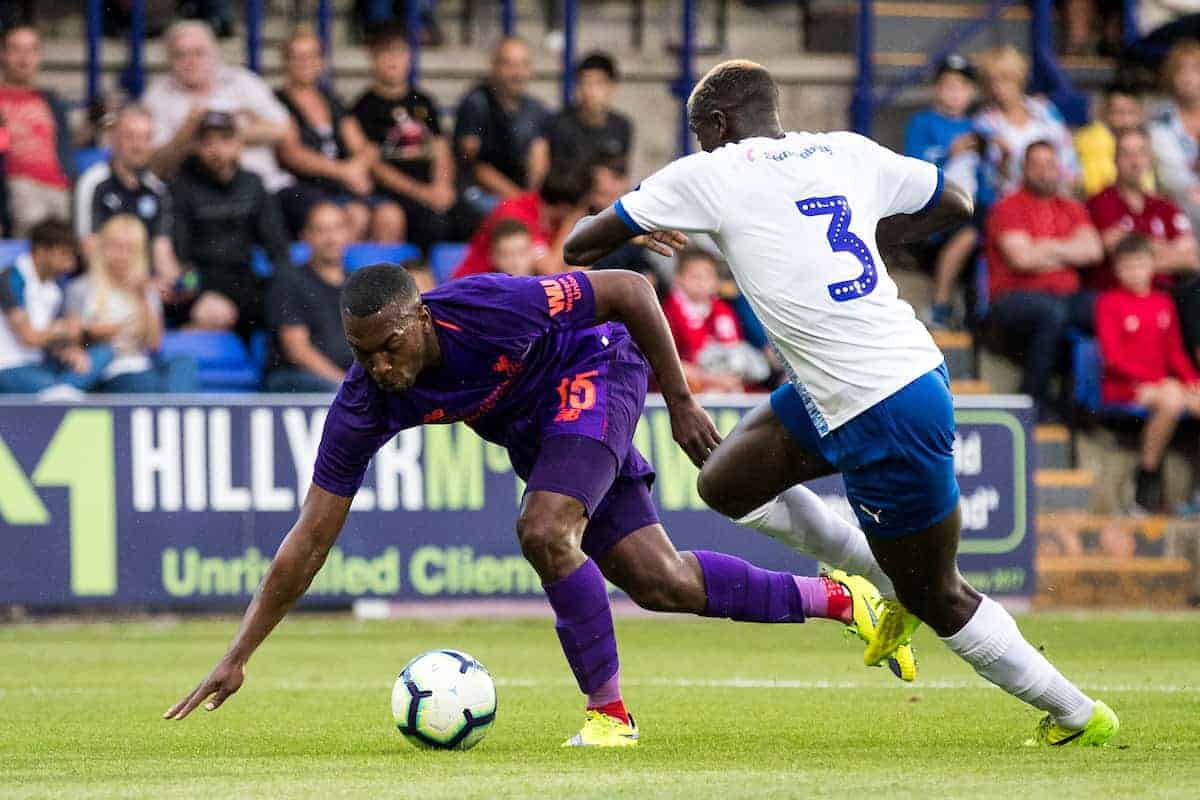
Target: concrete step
906,27
959,349
1054,449
1060,489
1107,582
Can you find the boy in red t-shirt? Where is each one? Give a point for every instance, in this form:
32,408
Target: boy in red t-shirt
1144,359
512,250
706,330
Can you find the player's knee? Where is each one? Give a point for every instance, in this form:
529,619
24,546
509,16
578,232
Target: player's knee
546,542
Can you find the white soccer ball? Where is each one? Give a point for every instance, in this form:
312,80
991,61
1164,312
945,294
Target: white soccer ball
444,699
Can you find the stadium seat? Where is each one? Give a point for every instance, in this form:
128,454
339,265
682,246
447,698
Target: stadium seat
444,257
10,249
364,254
298,252
223,363
88,156
1087,368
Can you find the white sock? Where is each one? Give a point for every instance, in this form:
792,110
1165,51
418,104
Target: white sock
804,522
991,643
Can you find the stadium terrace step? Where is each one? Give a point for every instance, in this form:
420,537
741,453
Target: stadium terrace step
959,349
1106,582
1060,489
970,386
910,27
1054,449
1151,528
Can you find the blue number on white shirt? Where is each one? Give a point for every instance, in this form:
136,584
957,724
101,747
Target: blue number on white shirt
841,240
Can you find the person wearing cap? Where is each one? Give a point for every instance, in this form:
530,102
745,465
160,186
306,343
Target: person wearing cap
589,129
222,211
944,134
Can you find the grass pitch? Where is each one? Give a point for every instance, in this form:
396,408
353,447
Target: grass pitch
726,711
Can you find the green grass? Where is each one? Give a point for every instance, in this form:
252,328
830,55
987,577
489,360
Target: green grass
80,708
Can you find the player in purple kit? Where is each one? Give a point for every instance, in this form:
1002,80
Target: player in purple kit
555,370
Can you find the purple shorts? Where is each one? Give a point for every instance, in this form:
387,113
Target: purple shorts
585,445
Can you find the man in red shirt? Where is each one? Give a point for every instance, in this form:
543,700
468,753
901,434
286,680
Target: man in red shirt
1126,207
39,139
1037,240
1144,360
549,213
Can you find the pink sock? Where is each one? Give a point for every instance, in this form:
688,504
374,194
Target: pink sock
813,595
607,692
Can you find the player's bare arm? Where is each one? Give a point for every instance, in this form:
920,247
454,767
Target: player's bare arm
953,208
597,235
296,563
629,298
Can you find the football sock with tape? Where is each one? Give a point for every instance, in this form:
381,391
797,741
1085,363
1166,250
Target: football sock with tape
991,643
804,522
738,590
583,621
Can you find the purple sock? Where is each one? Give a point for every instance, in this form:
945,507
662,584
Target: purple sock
585,628
741,591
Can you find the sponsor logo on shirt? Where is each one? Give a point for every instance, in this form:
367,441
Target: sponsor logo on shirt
562,293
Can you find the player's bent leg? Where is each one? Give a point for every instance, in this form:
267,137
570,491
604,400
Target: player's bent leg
924,570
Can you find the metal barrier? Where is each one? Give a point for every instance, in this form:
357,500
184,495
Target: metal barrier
133,77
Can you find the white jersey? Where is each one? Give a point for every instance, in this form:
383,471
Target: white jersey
795,218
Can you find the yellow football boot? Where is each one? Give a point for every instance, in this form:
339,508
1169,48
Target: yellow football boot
1100,728
893,632
601,730
867,605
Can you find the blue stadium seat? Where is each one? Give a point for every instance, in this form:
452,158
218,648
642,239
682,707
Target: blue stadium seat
1087,367
223,364
87,156
298,252
10,249
363,254
444,257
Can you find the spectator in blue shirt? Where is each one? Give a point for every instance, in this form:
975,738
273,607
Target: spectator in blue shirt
944,135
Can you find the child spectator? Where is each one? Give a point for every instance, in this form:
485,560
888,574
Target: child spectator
943,134
706,331
304,311
512,248
1096,142
1144,360
39,351
119,306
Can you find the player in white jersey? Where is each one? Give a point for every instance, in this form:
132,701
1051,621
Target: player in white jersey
800,217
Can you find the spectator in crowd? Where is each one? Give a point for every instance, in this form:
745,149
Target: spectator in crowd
944,135
1096,142
198,83
125,185
1037,240
39,158
304,311
326,150
1160,25
40,351
512,248
118,305
705,328
1144,360
221,212
1011,120
498,133
1126,207
549,213
1174,132
590,130
415,167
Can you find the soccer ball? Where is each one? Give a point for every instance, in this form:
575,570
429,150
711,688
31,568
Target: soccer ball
444,699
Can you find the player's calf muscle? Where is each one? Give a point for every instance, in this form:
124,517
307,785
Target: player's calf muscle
549,532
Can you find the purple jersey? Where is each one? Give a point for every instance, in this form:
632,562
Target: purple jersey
522,359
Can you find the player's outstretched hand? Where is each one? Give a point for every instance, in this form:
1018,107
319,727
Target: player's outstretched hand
665,243
225,679
693,430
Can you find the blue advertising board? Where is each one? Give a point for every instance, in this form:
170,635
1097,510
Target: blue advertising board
180,502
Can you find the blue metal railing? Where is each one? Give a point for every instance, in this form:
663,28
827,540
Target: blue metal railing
133,76
1047,76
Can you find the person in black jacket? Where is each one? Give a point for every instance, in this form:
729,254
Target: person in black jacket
221,212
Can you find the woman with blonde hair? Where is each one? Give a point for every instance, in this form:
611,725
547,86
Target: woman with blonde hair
118,305
1011,120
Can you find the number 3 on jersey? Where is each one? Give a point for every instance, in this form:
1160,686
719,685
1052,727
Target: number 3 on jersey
841,240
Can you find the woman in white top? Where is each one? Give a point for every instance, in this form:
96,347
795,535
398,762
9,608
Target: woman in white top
118,305
1011,120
